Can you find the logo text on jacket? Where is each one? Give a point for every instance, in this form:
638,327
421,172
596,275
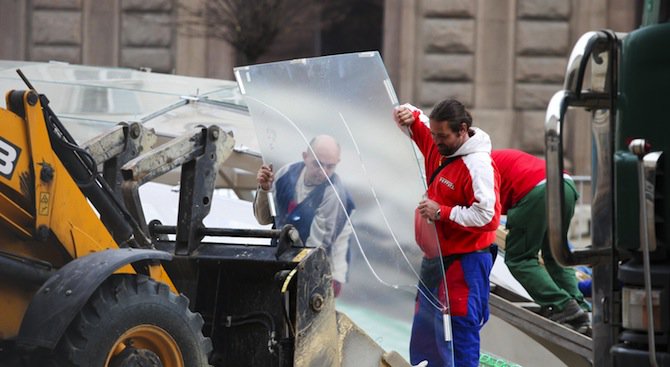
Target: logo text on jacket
447,182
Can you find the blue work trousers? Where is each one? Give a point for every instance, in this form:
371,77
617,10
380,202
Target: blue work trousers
468,289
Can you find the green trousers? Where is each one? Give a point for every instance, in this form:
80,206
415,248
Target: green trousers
550,285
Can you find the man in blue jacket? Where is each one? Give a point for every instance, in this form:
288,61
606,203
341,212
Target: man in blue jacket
310,196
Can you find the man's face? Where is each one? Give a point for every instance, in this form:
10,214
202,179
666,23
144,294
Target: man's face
319,167
447,140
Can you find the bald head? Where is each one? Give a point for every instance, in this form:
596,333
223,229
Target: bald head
325,145
321,160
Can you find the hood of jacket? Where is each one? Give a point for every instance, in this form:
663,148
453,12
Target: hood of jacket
480,142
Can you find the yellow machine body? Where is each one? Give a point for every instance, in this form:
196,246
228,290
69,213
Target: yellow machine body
44,215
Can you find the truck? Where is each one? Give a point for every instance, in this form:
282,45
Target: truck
622,80
86,280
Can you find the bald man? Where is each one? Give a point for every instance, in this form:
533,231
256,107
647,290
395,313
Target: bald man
306,199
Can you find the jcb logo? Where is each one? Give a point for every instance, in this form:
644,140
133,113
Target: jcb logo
9,154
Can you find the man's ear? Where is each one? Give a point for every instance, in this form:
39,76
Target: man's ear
304,156
463,129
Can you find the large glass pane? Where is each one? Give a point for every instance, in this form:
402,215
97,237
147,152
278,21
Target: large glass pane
350,98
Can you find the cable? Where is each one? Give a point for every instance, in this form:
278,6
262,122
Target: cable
284,288
84,156
259,317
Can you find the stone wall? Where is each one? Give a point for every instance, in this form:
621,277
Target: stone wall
447,47
542,46
503,58
55,30
132,33
147,34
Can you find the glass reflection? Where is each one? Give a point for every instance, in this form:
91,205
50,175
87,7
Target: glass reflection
349,98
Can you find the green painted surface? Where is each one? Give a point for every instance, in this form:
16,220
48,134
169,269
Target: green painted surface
488,360
627,226
643,100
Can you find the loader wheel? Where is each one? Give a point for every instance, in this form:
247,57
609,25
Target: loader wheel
132,320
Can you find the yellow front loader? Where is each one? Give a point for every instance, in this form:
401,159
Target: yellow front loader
86,281
75,289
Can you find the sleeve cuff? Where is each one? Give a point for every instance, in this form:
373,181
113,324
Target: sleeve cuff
260,189
445,212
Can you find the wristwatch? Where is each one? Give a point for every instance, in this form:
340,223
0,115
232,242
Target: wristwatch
437,214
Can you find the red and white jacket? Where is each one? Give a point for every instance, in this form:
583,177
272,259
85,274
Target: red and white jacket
467,189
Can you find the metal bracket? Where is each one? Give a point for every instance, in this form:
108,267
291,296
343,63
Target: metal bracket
116,147
199,154
590,45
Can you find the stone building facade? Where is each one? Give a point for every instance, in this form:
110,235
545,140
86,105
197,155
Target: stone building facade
133,33
503,58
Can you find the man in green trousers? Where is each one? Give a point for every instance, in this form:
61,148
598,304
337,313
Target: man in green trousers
522,195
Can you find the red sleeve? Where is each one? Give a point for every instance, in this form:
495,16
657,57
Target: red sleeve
421,133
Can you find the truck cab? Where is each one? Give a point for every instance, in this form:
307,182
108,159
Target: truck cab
622,80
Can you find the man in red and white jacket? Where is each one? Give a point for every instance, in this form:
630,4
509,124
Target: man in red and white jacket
463,202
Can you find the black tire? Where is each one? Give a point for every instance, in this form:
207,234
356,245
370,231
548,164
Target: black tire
123,305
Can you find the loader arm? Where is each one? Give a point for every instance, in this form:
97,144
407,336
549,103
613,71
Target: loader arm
116,147
199,154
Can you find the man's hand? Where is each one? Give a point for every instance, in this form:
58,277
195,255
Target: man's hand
403,116
428,208
265,177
